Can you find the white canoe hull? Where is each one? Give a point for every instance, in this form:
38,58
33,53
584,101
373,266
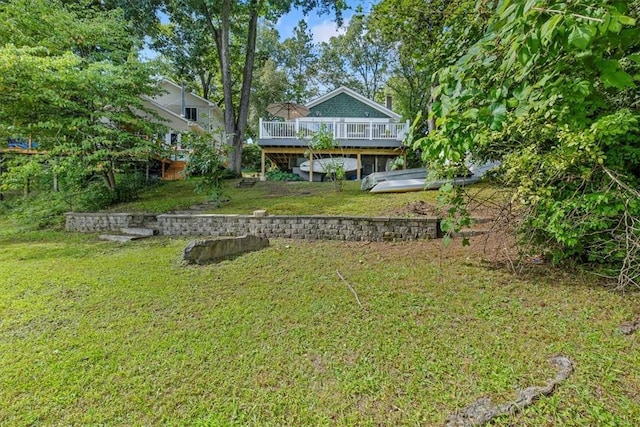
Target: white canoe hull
375,178
327,165
406,185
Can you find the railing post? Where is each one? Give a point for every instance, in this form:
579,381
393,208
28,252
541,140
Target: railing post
370,130
260,128
297,127
335,130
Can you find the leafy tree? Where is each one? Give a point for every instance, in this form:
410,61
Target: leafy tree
192,55
426,35
357,59
229,21
300,64
551,90
74,83
206,160
322,140
270,85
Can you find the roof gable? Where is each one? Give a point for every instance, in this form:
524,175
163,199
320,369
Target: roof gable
173,120
345,102
193,99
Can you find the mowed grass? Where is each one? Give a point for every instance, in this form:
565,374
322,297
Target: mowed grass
97,333
278,198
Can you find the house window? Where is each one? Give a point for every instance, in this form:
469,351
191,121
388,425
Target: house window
191,113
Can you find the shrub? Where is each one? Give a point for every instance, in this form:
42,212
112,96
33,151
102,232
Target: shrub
278,175
252,157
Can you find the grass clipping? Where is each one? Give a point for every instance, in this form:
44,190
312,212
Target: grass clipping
483,410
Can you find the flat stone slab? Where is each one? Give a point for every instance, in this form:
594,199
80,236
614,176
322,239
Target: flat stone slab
213,250
138,231
119,237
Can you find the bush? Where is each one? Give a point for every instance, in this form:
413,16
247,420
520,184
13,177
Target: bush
252,157
206,160
278,175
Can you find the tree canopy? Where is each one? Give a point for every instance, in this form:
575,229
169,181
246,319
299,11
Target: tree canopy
551,90
228,22
73,82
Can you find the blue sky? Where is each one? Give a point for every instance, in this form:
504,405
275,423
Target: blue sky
322,27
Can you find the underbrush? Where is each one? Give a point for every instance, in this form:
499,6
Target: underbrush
43,208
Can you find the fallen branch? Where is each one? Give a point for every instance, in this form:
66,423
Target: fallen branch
483,410
353,291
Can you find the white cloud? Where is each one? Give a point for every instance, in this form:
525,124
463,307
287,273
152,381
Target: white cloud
326,29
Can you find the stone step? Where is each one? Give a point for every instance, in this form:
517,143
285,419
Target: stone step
483,219
120,237
470,232
138,231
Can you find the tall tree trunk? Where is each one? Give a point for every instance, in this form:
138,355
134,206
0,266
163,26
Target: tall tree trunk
235,127
221,36
235,160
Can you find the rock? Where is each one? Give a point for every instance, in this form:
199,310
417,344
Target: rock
139,231
119,237
213,250
260,213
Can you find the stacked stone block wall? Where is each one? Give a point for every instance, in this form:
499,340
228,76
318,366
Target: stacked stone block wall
291,227
98,222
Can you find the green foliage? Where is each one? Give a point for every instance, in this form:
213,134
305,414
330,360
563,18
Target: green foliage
72,81
43,206
359,58
322,141
206,160
278,175
300,64
426,36
550,89
252,157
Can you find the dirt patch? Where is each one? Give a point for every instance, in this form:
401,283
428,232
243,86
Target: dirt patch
494,241
422,208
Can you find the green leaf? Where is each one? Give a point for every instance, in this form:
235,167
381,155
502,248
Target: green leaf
547,29
619,79
471,113
505,4
498,109
581,36
528,5
626,20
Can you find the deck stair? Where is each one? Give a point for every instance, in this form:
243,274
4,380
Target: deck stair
175,171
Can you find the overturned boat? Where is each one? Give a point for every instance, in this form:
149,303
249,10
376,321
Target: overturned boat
370,181
330,164
396,182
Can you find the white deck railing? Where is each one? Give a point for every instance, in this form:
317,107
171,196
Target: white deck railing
341,129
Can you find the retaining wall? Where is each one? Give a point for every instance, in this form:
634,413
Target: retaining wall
273,226
97,222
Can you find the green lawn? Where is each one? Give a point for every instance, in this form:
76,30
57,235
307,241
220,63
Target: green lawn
279,198
97,333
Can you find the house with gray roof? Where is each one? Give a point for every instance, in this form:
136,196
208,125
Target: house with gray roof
364,130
